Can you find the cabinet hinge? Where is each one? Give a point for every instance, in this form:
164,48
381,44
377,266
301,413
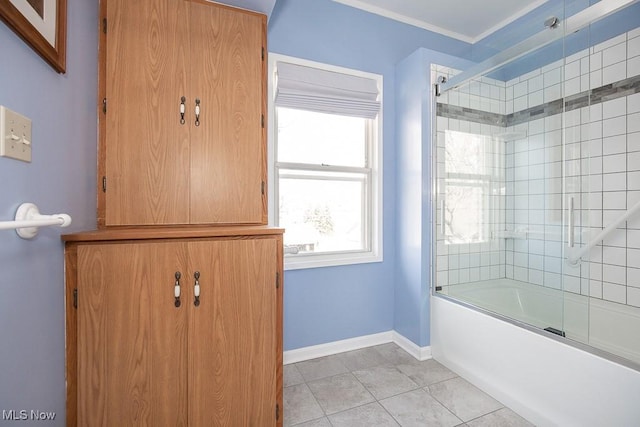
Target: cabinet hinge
75,298
104,25
262,121
104,105
104,184
277,411
263,53
277,280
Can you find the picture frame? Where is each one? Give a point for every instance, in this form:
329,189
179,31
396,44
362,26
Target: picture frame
42,24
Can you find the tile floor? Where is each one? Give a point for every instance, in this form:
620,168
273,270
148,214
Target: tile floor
385,386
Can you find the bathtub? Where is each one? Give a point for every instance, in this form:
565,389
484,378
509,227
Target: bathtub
550,380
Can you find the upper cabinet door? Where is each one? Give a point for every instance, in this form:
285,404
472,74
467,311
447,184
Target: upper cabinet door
228,153
146,147
209,169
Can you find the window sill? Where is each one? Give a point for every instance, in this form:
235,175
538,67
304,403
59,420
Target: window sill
299,262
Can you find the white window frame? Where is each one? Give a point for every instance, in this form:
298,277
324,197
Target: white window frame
374,137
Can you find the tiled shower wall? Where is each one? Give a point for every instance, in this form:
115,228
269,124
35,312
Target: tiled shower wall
484,104
601,131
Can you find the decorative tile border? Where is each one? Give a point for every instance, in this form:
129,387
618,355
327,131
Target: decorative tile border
604,93
471,115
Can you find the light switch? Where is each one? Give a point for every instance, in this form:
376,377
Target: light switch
15,135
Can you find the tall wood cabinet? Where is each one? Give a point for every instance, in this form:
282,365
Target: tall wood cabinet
174,327
182,114
174,306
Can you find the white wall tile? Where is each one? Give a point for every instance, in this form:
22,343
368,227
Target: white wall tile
633,161
613,200
595,288
585,66
595,61
613,256
520,89
633,258
614,182
520,103
633,123
614,274
577,56
572,86
614,73
611,42
614,126
618,237
614,163
536,98
633,296
614,144
614,54
571,70
614,292
633,277
633,47
554,77
634,180
633,239
614,108
633,66
633,103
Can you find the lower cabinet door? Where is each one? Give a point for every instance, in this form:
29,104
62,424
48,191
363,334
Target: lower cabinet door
149,358
132,339
233,334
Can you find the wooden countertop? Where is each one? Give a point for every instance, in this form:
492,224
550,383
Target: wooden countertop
169,232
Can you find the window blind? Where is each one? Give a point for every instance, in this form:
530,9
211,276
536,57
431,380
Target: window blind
324,91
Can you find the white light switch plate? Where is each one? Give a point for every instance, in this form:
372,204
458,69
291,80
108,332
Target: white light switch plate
15,135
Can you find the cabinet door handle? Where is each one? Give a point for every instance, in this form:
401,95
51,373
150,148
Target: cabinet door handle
182,109
197,111
196,289
176,289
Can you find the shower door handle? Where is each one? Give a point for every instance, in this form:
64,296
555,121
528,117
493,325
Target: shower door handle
442,217
570,224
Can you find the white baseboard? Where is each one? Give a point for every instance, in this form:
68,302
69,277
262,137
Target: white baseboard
335,347
420,353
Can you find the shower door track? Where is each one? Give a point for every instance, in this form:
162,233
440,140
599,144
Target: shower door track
571,25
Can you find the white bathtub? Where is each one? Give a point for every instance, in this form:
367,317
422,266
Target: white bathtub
602,324
544,379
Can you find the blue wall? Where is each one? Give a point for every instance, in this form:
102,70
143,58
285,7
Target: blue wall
329,304
413,191
61,178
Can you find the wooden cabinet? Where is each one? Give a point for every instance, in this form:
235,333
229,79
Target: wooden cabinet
159,58
136,356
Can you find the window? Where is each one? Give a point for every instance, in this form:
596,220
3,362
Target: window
472,182
326,163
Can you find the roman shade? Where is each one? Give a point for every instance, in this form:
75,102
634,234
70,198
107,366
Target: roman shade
324,91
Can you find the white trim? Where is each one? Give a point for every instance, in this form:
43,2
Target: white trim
434,28
375,254
420,353
335,347
405,19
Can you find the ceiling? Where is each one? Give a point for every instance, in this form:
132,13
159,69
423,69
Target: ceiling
466,20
